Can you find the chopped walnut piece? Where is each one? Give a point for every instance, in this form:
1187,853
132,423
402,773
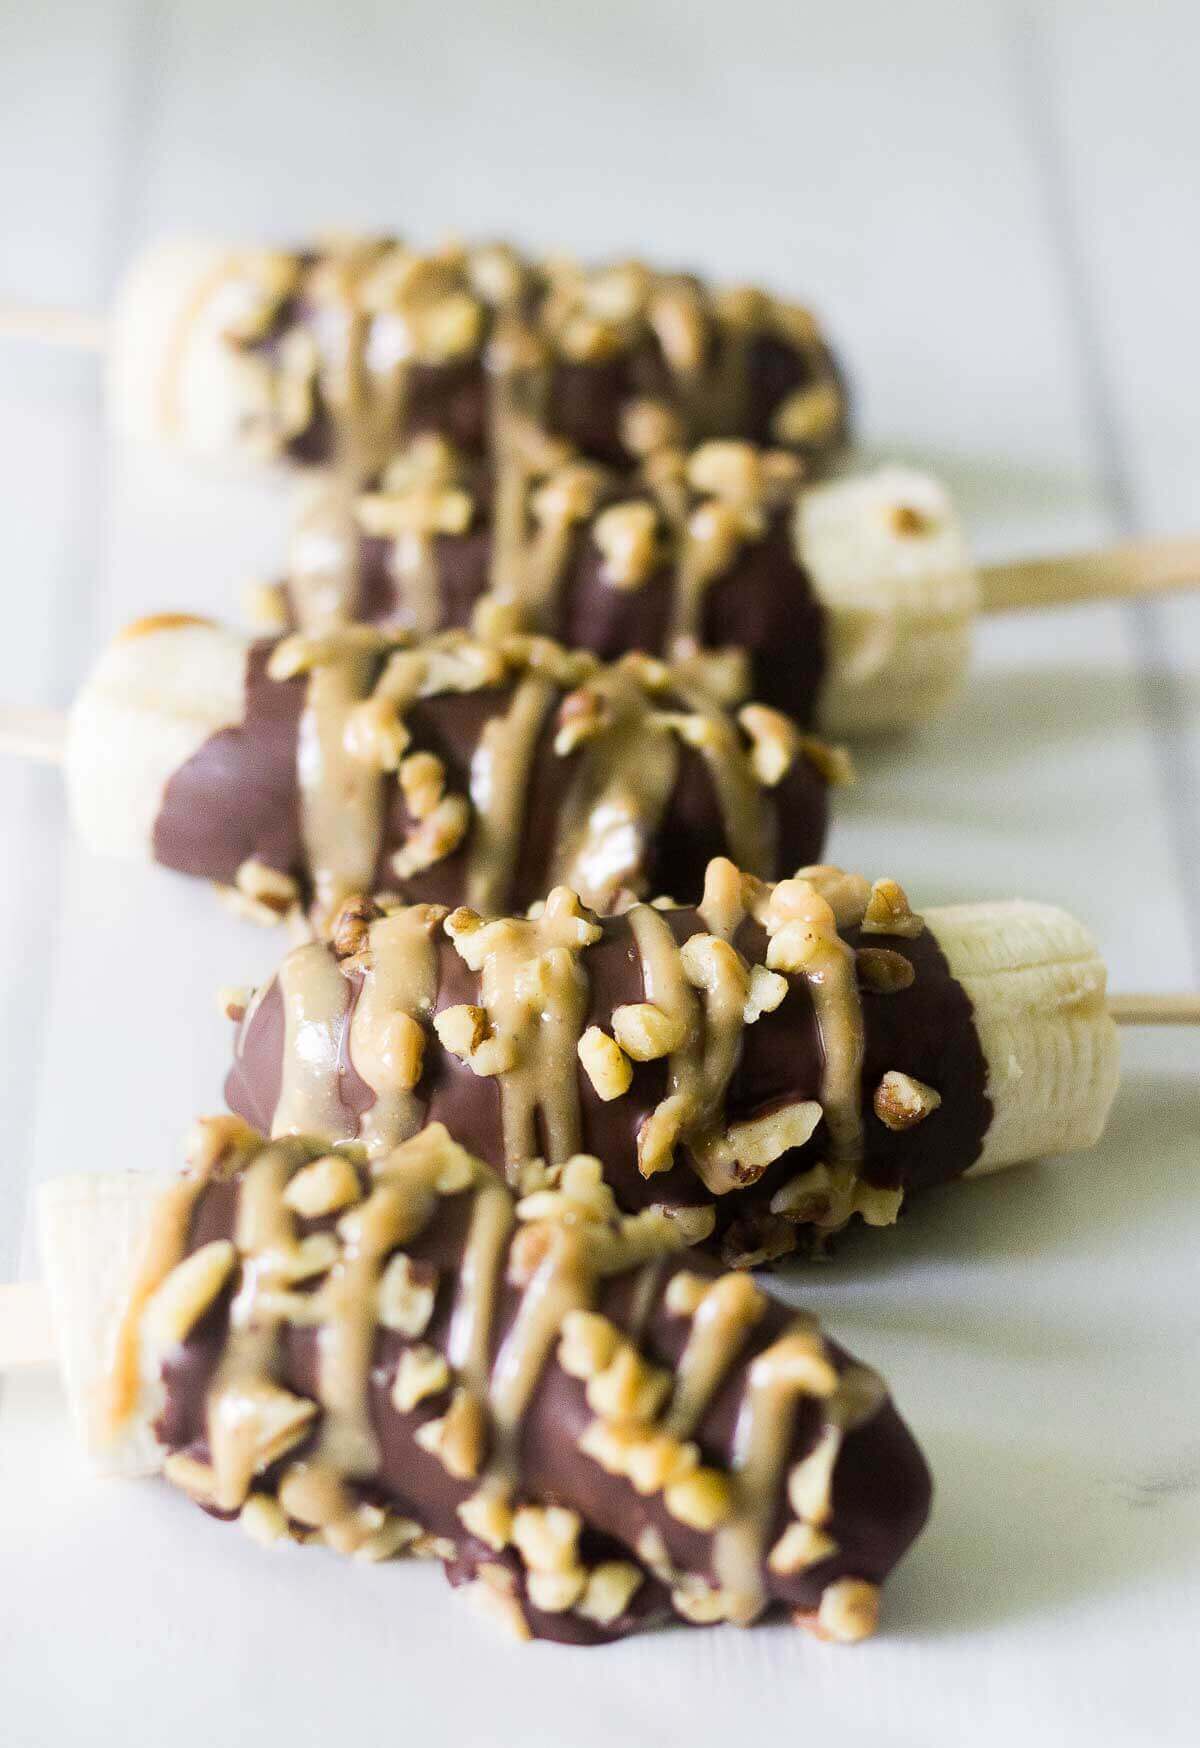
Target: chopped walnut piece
702,1500
394,1535
349,929
610,1588
901,1102
421,1372
605,1063
264,885
656,1460
821,1196
437,836
882,971
793,947
406,1299
774,742
462,1029
699,1602
889,912
711,964
685,1293
628,1388
459,1438
876,1205
375,733
658,1136
263,1519
799,1547
422,782
627,537
556,1592
588,1343
547,1537
848,1612
811,415
324,1187
645,1032
181,1300
647,426
767,990
488,1517
582,715
760,1141
726,468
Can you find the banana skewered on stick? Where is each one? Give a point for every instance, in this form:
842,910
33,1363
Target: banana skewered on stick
778,1060
341,352
848,604
592,1430
457,770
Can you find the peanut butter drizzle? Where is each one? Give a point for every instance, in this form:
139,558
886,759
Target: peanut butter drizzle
400,982
341,796
564,1282
468,1347
264,1230
619,794
760,1451
315,998
535,993
323,569
501,775
720,1327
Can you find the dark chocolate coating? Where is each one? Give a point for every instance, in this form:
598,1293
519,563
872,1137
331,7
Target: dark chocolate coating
583,400
238,797
926,1031
764,604
881,1488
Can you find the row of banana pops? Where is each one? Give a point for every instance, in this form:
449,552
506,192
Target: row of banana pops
434,1300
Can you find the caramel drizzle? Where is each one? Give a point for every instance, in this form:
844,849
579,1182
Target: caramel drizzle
573,1257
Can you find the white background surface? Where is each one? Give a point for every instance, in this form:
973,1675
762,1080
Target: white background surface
995,206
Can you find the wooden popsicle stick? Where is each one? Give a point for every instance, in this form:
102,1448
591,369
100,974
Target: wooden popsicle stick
1132,570
32,733
1181,1009
77,329
26,1329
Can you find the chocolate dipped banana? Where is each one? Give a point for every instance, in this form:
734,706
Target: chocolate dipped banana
848,603
403,1356
778,1060
338,353
462,770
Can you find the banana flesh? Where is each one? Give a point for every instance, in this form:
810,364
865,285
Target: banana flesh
1037,986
